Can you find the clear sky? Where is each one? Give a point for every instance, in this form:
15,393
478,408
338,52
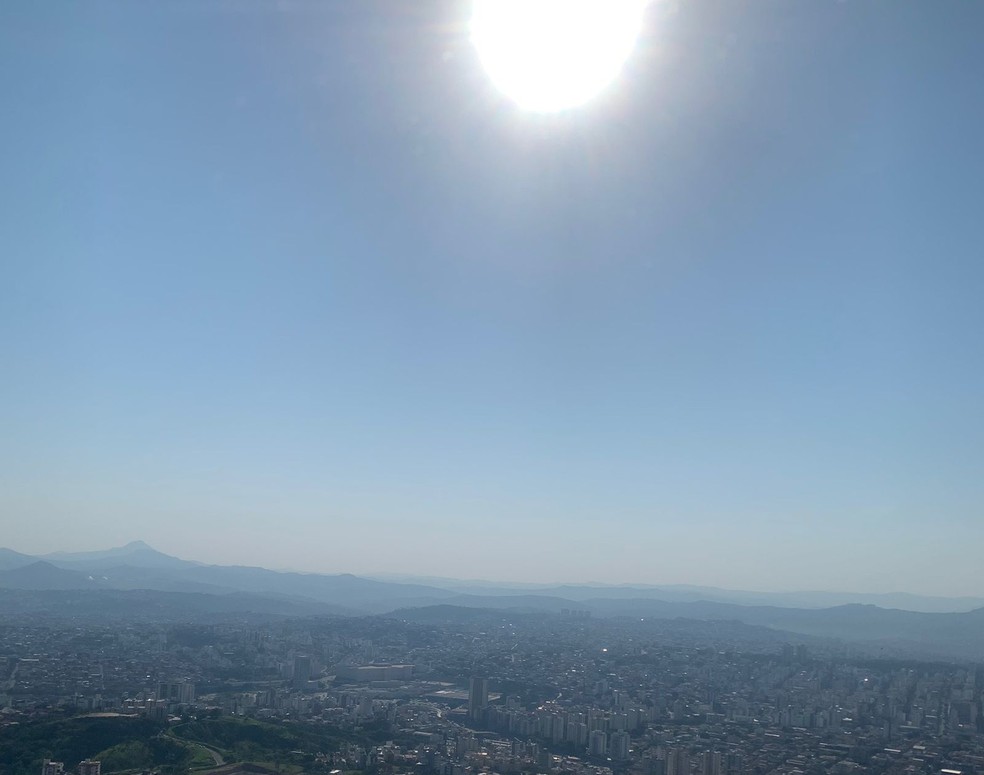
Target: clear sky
291,284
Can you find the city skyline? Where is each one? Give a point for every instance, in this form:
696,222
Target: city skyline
305,291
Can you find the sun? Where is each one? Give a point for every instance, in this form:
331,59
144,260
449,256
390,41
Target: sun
551,55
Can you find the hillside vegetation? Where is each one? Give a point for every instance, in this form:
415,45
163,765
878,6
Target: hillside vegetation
24,746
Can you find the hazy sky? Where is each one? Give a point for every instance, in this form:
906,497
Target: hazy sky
290,284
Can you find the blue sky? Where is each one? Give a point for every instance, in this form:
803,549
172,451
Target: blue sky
291,284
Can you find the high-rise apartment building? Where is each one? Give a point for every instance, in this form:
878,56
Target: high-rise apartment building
577,733
180,692
49,767
598,743
677,762
618,746
89,767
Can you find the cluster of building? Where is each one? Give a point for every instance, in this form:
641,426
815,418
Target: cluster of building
92,667
566,694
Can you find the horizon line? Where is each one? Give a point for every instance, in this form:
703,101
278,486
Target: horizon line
421,578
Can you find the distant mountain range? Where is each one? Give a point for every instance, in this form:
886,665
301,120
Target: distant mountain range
683,593
137,578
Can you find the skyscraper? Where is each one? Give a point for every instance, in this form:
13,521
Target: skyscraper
302,671
89,767
478,697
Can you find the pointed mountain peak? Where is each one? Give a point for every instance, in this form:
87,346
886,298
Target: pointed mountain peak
141,545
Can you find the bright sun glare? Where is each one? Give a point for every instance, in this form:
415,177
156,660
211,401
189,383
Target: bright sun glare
549,55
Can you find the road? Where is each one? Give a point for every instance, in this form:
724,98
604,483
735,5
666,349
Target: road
213,752
216,756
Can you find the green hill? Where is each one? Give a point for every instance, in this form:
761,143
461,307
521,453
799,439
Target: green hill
24,746
248,739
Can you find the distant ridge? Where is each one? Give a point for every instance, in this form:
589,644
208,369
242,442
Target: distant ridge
112,605
136,553
119,576
683,593
44,575
9,559
126,560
